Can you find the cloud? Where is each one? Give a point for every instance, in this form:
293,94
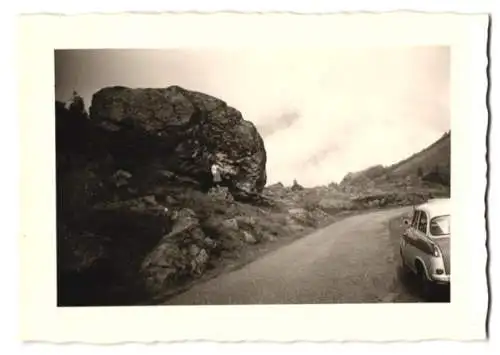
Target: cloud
278,123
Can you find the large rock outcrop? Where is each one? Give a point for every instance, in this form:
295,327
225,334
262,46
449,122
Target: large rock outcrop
184,252
191,130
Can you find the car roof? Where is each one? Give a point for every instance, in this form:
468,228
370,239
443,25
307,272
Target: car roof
436,207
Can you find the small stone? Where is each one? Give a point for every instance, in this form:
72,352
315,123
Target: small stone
231,224
249,238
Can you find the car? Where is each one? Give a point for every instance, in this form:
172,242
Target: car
425,245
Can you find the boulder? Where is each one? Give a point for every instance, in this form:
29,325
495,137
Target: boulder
192,130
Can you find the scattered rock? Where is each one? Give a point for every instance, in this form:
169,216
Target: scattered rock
210,243
300,215
246,221
249,238
151,200
123,174
121,178
220,194
166,174
169,200
269,238
231,224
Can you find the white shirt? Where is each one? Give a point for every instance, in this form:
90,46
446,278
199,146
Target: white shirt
215,169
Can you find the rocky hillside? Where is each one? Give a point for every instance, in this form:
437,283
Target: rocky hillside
424,174
137,214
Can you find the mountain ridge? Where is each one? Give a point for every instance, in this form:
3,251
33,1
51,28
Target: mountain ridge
431,164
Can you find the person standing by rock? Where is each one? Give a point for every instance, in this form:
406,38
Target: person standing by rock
216,174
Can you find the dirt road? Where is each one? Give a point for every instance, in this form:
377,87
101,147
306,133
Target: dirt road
352,261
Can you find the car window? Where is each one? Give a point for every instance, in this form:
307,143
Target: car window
440,226
422,223
414,221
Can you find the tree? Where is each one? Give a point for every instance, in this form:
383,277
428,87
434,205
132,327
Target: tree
420,172
77,105
296,186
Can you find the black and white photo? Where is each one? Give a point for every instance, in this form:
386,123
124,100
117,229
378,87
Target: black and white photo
253,177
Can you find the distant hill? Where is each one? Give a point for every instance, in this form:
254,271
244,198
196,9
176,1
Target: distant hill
429,166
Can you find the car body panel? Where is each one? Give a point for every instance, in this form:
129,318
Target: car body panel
418,246
444,246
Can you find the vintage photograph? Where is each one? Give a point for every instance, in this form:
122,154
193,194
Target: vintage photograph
253,176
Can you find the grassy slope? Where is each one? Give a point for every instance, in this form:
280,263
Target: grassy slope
435,155
438,153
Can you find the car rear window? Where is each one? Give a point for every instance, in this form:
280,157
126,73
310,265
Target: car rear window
440,226
414,220
422,223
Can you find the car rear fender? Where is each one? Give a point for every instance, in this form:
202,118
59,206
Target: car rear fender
420,261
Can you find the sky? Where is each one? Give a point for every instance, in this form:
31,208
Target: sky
323,112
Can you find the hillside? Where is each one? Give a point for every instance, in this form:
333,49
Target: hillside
430,166
433,159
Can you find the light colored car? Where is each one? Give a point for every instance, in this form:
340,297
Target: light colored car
425,244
